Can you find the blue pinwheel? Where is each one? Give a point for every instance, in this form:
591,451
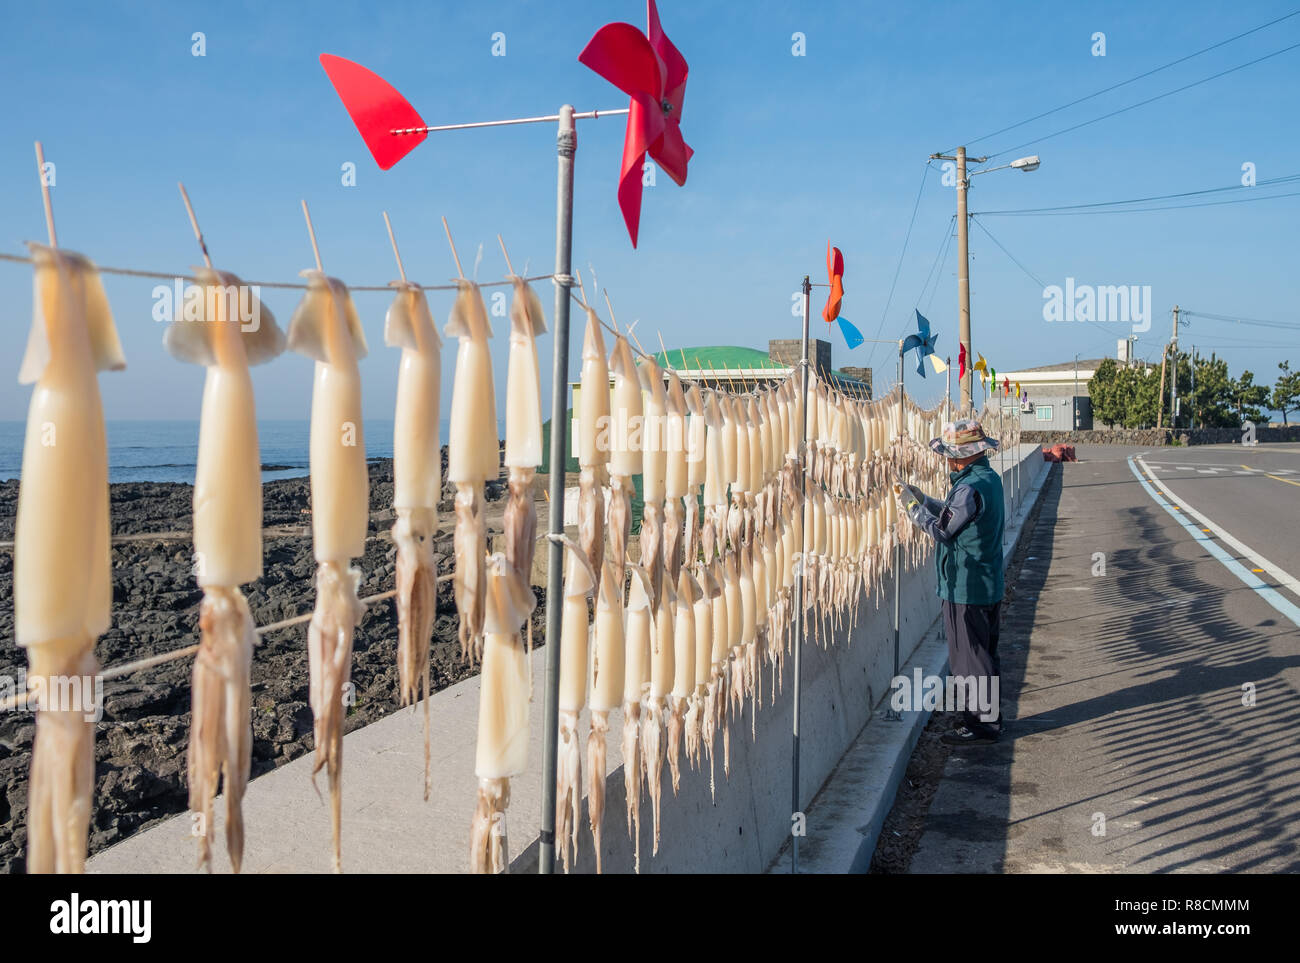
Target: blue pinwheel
923,341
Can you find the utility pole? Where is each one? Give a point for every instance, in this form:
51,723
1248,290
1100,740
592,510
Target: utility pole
1192,423
963,265
1160,398
1173,404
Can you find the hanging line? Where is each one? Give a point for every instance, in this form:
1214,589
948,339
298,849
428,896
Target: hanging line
129,272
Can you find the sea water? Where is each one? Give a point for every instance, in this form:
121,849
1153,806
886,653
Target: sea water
165,451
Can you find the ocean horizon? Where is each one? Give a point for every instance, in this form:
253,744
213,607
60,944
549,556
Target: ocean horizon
166,450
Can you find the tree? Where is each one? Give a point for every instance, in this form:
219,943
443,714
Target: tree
1286,392
1141,388
1107,406
1247,397
1212,402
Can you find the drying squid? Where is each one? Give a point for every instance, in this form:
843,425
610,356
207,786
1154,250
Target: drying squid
575,640
62,562
504,692
638,639
676,476
593,447
684,716
473,457
227,541
654,470
625,437
417,488
662,654
325,328
607,679
523,450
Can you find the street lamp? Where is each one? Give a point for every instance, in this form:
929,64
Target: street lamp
1026,164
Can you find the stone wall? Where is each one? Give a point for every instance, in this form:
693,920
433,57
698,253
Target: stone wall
1156,437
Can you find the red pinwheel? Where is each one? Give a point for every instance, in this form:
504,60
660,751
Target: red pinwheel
961,362
835,275
376,108
649,69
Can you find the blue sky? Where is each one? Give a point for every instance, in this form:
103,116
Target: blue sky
790,151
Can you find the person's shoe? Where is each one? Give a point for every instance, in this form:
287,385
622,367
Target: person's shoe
964,736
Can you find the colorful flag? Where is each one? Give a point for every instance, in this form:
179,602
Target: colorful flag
961,361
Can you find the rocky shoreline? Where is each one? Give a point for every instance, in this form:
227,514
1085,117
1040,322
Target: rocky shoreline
142,740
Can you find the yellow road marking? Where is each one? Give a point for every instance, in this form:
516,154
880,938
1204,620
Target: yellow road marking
1274,477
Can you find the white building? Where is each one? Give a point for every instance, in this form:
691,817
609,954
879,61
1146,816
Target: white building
1058,393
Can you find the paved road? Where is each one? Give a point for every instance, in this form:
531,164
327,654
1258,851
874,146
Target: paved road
1127,745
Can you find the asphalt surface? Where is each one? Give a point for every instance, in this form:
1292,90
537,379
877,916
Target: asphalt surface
1150,710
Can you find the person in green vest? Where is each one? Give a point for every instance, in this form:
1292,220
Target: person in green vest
967,530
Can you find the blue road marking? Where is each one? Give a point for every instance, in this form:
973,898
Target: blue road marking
1269,595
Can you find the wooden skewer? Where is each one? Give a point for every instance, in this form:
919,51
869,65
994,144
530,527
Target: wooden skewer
581,290
509,266
45,194
393,240
667,363
455,257
194,223
311,231
613,320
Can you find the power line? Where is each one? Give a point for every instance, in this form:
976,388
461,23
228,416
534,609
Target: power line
939,275
1258,322
890,300
1149,100
1269,182
1163,207
1125,83
941,253
1037,280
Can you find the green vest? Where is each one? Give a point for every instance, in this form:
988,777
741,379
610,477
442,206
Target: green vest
970,566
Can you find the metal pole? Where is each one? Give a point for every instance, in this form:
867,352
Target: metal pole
963,273
890,714
566,145
1192,422
947,392
1074,403
1173,403
800,624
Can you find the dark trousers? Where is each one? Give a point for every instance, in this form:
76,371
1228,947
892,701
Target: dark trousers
972,632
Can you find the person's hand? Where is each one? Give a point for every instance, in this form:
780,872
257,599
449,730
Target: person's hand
906,500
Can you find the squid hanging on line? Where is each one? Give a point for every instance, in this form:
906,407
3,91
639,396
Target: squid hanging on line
575,641
505,686
473,458
639,632
326,329
623,439
417,488
62,559
509,601
226,334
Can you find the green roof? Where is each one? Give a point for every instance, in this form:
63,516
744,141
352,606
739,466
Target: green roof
719,356
726,356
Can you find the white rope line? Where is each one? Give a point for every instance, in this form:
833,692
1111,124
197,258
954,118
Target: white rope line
299,286
19,700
